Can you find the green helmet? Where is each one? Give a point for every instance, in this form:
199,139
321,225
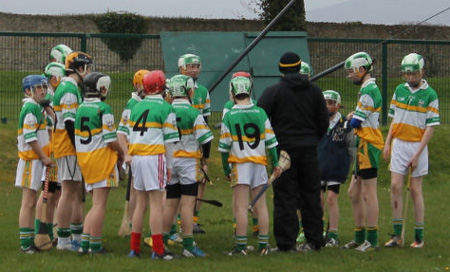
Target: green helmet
189,59
305,69
59,53
240,85
55,69
332,95
412,63
360,59
180,85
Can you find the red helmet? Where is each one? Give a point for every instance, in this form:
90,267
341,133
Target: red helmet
154,82
242,74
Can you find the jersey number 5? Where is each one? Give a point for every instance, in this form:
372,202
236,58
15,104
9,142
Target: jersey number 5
251,131
85,127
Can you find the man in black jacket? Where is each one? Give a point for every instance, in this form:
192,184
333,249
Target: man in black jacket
299,118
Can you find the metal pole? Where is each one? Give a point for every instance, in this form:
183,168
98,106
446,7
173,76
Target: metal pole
252,44
327,71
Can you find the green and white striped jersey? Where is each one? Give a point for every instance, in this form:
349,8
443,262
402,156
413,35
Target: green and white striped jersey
413,111
152,124
201,100
66,100
32,127
246,133
368,112
123,128
94,129
192,128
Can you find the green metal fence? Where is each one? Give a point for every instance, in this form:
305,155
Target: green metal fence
387,55
27,53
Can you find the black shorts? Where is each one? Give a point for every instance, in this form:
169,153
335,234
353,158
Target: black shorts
176,190
369,173
52,186
334,188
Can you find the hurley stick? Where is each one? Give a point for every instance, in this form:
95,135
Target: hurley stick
42,240
125,229
285,163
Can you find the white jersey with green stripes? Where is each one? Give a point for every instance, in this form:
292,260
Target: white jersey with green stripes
94,129
192,128
152,124
246,133
413,111
32,127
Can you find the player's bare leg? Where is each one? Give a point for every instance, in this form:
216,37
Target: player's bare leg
240,194
419,210
263,221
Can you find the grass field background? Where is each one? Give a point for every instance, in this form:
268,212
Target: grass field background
217,222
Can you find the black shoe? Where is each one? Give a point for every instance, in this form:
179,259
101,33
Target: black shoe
283,249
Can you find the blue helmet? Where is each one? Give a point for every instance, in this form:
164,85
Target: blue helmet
32,80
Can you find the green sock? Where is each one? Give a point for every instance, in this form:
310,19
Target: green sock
50,231
255,221
300,226
360,234
372,235
37,222
85,237
173,229
188,242
63,232
197,213
398,225
241,242
418,231
165,238
26,237
263,241
333,233
76,228
95,244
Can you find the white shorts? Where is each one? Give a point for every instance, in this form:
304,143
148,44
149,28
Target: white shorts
248,173
111,182
68,169
29,174
401,154
185,171
149,172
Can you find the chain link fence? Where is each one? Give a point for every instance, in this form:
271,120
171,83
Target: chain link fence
28,53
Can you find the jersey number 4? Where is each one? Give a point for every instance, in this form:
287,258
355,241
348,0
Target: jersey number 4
140,123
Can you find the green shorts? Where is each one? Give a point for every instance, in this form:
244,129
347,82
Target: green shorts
367,155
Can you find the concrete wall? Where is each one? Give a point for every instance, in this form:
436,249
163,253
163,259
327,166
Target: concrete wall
84,23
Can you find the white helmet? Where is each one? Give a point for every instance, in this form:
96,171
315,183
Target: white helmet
180,85
59,53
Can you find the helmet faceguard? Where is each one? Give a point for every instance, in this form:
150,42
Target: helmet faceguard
240,85
34,82
180,85
97,85
77,60
54,71
355,62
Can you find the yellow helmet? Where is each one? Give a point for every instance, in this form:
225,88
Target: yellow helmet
77,59
138,76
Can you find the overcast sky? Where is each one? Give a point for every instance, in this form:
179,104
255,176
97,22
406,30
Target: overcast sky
366,11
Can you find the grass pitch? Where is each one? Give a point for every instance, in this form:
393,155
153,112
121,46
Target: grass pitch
217,222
